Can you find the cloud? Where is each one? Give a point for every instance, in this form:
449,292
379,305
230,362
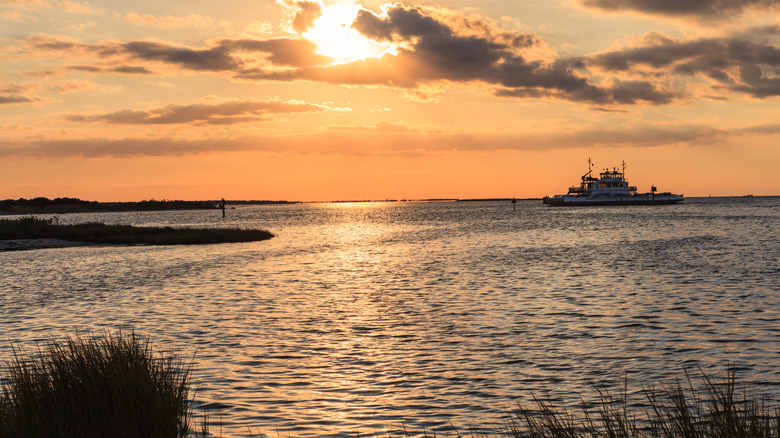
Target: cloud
66,5
123,69
223,113
74,7
433,50
700,8
383,139
437,48
280,51
15,88
304,15
379,126
129,69
434,47
737,63
11,16
13,99
211,59
168,21
226,55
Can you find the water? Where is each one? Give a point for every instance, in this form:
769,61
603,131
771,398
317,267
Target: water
371,318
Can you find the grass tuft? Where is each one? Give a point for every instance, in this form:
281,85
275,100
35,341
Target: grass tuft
111,386
708,409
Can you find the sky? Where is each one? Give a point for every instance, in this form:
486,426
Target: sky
322,100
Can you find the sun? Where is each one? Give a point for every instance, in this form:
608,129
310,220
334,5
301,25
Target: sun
335,37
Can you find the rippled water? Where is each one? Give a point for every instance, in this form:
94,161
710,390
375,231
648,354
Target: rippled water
374,317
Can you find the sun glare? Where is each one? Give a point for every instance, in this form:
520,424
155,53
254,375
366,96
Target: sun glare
334,36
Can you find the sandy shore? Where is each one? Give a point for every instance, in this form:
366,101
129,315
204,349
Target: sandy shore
23,244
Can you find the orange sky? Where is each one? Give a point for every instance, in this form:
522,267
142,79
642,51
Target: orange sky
325,100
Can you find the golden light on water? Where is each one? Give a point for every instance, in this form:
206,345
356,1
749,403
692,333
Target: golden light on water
336,38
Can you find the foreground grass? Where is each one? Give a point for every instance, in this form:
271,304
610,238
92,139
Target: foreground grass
114,386
693,408
33,228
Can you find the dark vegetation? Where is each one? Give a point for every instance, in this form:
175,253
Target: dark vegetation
73,205
33,228
690,409
117,386
112,386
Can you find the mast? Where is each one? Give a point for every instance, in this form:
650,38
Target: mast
590,165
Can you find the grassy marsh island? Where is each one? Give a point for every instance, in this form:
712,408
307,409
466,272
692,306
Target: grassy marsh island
34,228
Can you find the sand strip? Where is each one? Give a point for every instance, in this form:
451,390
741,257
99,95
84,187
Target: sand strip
24,244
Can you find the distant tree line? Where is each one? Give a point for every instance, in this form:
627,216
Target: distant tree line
74,205
43,203
70,205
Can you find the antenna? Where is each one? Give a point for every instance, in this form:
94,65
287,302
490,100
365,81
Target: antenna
624,168
590,164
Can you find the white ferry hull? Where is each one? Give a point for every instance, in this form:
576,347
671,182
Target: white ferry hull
584,201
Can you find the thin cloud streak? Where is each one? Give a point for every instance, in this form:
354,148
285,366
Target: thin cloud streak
224,113
14,99
705,9
385,139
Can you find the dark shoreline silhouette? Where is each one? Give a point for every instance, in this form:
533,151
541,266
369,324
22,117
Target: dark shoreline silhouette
43,205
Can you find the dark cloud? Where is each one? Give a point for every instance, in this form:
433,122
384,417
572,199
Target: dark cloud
128,69
86,68
701,8
216,58
736,64
13,99
224,56
630,92
306,13
280,51
224,113
53,43
212,59
401,24
435,51
124,69
14,88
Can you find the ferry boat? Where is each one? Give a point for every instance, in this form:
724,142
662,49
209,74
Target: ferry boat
610,188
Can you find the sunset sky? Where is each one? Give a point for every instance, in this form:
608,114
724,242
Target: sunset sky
333,100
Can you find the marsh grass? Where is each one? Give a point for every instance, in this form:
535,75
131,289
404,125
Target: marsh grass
110,386
692,408
34,228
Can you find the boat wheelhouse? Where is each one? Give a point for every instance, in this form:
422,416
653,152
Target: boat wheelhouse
610,188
